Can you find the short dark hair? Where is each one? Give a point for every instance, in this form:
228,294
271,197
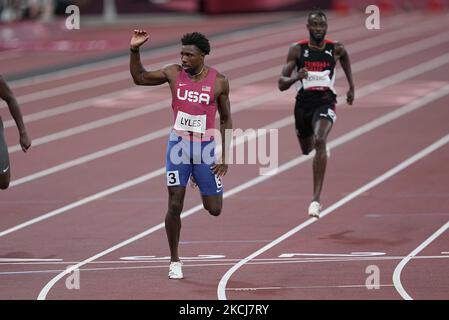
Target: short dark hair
197,39
316,12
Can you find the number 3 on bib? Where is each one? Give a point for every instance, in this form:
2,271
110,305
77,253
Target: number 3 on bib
172,178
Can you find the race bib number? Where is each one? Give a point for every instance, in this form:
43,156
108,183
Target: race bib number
188,122
317,80
173,178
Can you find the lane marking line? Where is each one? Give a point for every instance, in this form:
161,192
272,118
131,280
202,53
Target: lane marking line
398,270
373,183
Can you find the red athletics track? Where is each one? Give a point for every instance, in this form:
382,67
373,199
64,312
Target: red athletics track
393,72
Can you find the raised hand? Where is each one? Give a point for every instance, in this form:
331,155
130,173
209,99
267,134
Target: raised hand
139,37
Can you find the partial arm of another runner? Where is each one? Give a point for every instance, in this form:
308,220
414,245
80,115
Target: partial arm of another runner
343,55
140,75
286,80
7,95
224,110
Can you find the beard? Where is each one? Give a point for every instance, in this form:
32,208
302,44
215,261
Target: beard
317,39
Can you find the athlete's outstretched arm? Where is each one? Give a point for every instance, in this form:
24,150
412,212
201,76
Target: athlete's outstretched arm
140,75
224,110
7,95
346,65
286,81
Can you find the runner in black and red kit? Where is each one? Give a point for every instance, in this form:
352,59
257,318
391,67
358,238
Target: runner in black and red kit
311,67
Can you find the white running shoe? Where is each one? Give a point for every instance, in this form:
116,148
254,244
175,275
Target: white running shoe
175,271
314,209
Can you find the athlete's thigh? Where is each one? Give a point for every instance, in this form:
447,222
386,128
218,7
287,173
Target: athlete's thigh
208,182
323,120
303,127
177,163
303,121
204,158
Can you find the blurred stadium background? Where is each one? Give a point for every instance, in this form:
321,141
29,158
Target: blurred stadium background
37,27
12,10
46,10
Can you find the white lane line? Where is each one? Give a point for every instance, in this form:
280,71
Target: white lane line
401,215
6,260
373,183
348,286
214,263
233,260
354,48
352,254
278,124
341,140
401,265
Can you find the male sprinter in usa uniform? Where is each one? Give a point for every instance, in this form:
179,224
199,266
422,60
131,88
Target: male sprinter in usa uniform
198,91
311,67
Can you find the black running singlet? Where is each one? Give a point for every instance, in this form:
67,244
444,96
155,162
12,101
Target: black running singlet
318,88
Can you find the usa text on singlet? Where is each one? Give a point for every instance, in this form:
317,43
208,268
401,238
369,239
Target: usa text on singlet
194,105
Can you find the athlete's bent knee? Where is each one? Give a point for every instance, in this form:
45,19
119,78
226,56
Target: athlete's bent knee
306,146
4,185
305,151
215,211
